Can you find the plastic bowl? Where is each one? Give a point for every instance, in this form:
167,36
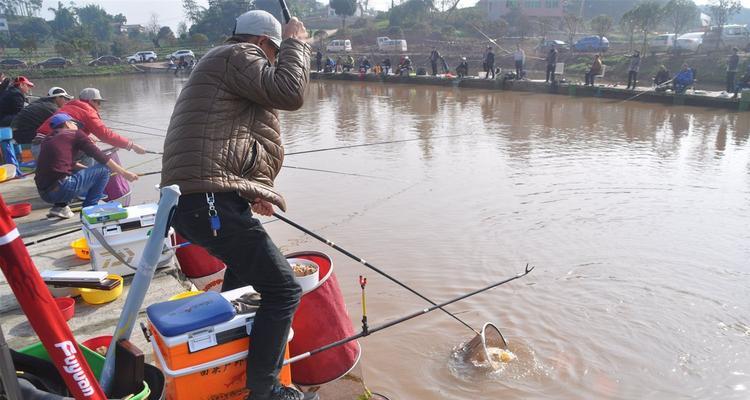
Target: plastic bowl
184,295
19,210
81,248
96,296
95,343
67,307
307,282
62,291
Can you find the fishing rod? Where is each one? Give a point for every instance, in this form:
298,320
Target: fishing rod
368,331
372,267
369,144
42,240
646,91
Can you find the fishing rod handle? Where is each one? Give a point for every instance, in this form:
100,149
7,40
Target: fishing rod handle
285,11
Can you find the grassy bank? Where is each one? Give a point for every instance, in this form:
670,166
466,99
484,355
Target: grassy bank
75,71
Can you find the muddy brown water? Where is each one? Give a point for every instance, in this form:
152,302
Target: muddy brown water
635,216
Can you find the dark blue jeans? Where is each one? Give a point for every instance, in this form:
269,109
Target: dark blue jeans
88,182
252,259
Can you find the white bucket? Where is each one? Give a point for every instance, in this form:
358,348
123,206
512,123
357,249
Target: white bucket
211,282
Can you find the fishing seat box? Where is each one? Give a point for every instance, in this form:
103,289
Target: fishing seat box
201,346
128,237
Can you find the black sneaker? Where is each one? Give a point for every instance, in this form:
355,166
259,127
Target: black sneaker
286,393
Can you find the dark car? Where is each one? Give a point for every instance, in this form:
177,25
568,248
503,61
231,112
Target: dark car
105,60
54,62
13,63
592,43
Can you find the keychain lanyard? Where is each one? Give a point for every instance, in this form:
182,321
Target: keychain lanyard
213,215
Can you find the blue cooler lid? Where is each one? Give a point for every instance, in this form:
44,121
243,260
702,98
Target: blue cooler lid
173,318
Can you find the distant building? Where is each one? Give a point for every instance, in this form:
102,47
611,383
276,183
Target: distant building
530,8
126,29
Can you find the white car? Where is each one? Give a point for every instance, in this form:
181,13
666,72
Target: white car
142,56
662,43
689,41
335,46
188,54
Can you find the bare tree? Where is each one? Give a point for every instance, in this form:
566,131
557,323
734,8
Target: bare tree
192,10
647,17
680,14
153,24
602,25
572,24
721,12
628,26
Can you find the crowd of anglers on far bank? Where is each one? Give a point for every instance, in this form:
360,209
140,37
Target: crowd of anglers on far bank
663,80
56,127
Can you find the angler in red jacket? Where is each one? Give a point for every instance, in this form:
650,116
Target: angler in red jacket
86,111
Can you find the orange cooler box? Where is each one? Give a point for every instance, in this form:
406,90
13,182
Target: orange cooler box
201,346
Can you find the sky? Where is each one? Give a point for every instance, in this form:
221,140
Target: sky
170,11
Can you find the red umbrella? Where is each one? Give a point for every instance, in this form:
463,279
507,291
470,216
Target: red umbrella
42,312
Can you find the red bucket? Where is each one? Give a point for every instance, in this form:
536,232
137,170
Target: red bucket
196,263
320,320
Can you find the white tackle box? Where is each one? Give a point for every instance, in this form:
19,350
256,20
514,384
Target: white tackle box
128,237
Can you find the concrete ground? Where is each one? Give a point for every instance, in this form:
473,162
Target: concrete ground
97,320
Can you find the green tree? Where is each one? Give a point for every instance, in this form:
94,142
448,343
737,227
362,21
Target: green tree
721,12
219,18
165,36
199,39
64,21
26,28
602,25
515,21
346,8
193,11
96,20
680,15
28,46
122,45
182,30
24,8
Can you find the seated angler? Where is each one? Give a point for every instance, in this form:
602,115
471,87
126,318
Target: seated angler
58,179
683,79
744,83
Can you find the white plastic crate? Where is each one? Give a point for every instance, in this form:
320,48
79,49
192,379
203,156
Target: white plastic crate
128,237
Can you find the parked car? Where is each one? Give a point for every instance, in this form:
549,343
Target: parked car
105,60
545,46
54,62
335,46
12,63
187,54
142,56
731,36
592,43
662,43
386,44
689,41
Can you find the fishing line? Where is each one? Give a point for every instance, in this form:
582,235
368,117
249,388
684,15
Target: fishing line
371,144
132,124
372,267
338,173
137,132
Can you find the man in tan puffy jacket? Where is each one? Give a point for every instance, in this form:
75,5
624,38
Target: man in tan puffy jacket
223,148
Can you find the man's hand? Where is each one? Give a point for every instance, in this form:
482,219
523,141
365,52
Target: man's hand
295,29
131,177
262,207
138,149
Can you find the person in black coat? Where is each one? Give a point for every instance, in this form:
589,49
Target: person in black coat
13,100
28,120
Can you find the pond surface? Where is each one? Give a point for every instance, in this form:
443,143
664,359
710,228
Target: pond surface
635,216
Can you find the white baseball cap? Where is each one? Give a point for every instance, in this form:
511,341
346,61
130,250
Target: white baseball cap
57,91
259,23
